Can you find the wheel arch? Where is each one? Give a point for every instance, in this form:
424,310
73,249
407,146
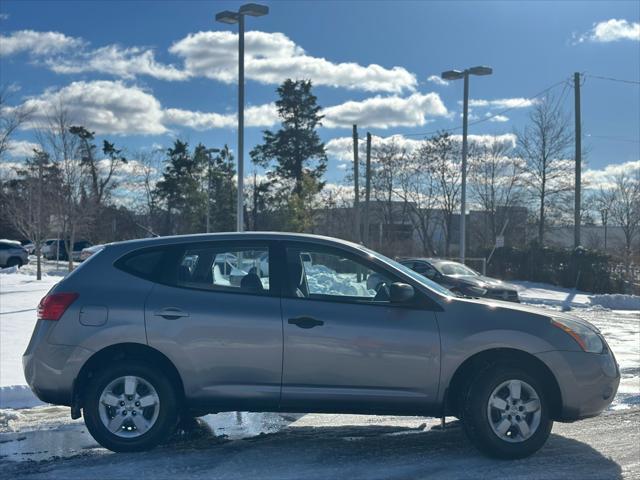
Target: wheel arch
512,357
121,351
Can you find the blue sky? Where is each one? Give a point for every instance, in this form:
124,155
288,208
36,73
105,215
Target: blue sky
378,57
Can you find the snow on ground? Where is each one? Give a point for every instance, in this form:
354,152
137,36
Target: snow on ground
549,295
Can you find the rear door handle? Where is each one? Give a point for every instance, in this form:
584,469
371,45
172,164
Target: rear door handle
171,313
305,322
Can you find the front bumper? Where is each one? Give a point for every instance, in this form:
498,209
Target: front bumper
50,370
588,381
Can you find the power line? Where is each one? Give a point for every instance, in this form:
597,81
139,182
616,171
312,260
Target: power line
495,114
611,137
611,79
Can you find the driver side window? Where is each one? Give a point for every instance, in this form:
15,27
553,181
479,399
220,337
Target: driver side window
331,274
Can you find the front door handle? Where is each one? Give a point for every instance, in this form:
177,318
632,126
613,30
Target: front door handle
305,322
171,313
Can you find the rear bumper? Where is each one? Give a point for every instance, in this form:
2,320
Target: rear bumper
588,382
50,370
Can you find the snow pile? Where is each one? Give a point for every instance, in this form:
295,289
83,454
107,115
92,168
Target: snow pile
616,301
17,396
13,269
323,280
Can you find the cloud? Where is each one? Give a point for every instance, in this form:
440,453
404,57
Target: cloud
498,118
21,148
271,58
437,80
341,148
604,178
255,116
118,61
612,30
4,16
501,103
102,106
386,112
112,107
37,43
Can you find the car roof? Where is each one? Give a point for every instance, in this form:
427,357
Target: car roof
203,237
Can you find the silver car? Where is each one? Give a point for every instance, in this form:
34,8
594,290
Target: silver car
12,254
147,332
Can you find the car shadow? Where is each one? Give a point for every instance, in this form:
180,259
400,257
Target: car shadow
361,451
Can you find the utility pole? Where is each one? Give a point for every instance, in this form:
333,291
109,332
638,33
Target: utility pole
367,191
356,182
578,155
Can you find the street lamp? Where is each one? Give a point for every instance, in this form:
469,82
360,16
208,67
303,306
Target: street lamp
456,75
229,17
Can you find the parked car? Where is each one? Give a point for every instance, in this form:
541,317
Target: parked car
47,248
88,251
459,278
12,254
134,340
58,250
28,245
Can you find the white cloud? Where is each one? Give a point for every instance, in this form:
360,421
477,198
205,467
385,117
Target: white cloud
255,116
604,177
341,148
271,58
611,30
36,43
386,112
500,103
437,80
103,106
21,148
117,61
498,118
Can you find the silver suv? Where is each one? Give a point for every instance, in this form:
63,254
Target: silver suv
12,254
147,332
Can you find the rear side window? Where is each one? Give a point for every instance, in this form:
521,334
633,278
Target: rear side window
144,263
216,267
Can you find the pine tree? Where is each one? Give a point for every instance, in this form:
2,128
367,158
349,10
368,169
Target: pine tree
296,149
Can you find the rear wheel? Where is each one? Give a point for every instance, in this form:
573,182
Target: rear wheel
130,407
506,412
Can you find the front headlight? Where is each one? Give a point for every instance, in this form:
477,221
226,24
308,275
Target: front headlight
476,290
588,340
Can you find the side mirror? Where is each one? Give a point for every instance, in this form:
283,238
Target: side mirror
400,292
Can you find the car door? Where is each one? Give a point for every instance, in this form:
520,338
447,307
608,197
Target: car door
222,329
346,346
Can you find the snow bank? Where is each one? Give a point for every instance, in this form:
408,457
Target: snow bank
323,280
616,301
18,396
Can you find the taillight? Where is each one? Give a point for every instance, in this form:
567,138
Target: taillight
54,305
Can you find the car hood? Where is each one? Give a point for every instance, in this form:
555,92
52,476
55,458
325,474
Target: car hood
519,307
481,281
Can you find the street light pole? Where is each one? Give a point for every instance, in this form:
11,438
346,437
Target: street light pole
456,75
229,17
463,193
240,199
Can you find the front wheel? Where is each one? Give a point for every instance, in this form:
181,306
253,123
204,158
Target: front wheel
130,407
506,413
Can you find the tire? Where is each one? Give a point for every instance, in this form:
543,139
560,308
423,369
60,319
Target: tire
158,420
14,262
527,429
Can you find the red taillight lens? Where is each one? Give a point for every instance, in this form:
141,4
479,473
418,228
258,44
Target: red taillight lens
54,305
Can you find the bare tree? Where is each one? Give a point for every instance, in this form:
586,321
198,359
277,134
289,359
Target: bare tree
442,154
28,200
544,146
11,118
623,200
73,214
495,184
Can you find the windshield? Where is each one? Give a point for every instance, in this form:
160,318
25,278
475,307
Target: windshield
414,275
453,268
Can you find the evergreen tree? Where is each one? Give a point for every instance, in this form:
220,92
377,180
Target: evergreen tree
296,149
181,189
221,189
